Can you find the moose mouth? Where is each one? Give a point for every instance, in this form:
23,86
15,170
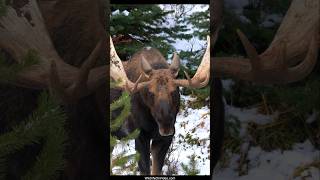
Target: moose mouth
167,130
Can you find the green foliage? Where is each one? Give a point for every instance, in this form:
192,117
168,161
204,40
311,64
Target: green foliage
3,8
46,124
191,168
123,101
232,138
201,97
200,20
45,127
122,160
189,139
280,134
304,98
8,72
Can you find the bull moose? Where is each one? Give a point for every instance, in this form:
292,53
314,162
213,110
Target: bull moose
291,56
155,99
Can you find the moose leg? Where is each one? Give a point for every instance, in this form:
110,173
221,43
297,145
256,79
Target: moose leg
142,145
159,150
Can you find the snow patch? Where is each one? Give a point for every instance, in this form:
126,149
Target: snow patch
265,165
273,165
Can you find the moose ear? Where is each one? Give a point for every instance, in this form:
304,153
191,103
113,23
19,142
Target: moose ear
175,65
145,66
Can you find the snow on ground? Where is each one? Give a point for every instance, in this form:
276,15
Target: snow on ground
273,165
262,165
123,149
245,116
191,124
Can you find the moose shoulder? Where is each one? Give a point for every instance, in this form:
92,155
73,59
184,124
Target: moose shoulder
155,100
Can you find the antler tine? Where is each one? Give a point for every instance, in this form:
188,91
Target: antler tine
55,86
134,88
250,50
80,86
188,77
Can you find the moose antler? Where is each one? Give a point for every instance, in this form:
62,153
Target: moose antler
202,76
118,73
22,29
283,61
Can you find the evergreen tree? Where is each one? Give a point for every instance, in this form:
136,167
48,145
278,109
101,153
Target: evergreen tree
191,168
43,129
9,71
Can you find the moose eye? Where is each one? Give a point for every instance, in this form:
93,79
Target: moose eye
151,98
151,95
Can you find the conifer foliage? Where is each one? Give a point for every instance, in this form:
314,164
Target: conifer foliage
122,161
45,127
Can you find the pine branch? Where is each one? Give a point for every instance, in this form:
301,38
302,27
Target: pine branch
45,123
8,73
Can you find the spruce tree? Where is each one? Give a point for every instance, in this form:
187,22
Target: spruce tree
44,128
191,168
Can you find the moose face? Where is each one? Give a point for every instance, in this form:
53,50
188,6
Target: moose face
163,99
